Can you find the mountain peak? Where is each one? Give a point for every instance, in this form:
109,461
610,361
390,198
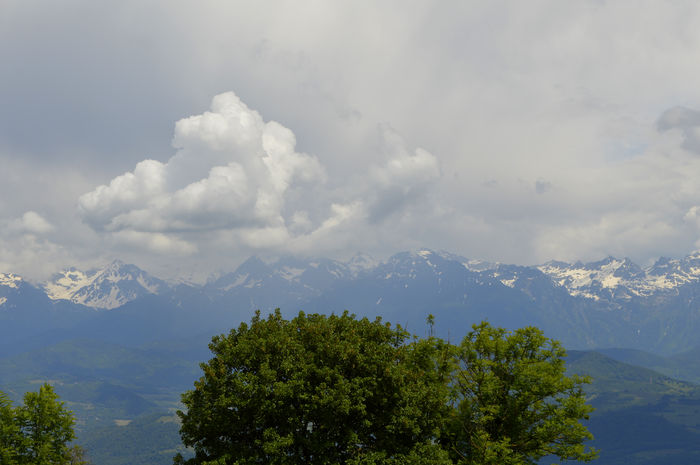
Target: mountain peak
109,287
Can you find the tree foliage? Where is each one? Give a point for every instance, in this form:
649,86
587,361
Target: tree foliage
317,390
38,432
514,402
338,390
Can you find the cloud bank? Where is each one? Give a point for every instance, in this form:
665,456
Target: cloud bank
238,180
553,130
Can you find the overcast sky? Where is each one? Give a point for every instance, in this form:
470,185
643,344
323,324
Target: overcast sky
186,136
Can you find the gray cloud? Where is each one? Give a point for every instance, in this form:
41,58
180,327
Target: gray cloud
685,120
566,95
32,223
402,180
678,117
542,186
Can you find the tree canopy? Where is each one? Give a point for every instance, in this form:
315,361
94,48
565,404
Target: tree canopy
340,390
38,432
514,403
317,390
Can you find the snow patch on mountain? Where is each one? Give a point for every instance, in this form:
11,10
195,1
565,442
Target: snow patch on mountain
150,286
10,280
479,265
427,255
67,283
424,253
253,283
291,273
3,300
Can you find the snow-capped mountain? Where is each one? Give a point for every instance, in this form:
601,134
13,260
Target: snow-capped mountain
109,287
313,275
609,303
9,284
255,273
623,279
16,292
297,280
283,282
10,280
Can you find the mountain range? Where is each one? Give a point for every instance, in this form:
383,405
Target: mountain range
608,303
121,345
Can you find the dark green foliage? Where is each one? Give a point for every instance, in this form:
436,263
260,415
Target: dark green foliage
318,390
10,434
38,432
337,390
514,403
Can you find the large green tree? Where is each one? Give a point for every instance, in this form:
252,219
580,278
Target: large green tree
318,390
514,403
38,432
338,390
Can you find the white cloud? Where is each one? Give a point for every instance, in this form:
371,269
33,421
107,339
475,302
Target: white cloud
231,171
28,245
232,175
403,169
32,223
154,242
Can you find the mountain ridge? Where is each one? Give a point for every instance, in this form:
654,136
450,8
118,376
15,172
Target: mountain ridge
116,283
608,303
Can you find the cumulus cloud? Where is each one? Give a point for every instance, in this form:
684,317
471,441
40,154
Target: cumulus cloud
232,175
232,170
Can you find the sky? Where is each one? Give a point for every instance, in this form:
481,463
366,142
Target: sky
187,136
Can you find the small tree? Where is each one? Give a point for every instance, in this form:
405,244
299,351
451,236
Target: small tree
318,390
514,403
37,432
